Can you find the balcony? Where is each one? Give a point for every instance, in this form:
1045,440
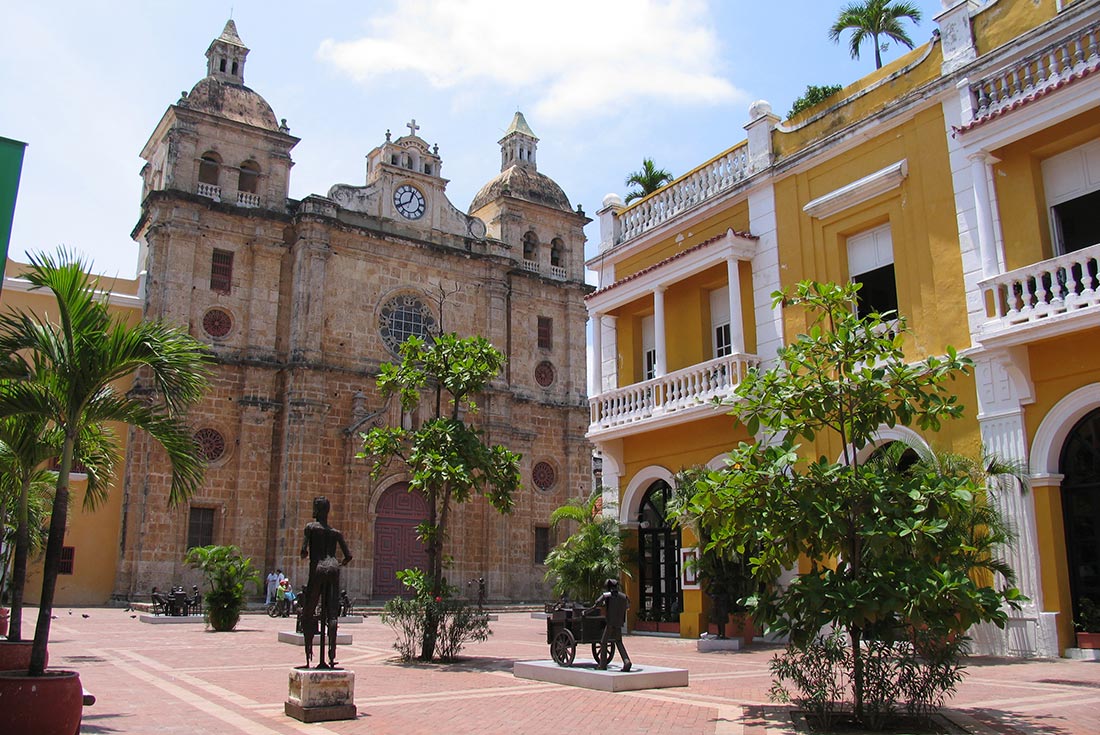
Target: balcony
553,271
1071,57
668,399
690,190
1043,299
248,199
210,191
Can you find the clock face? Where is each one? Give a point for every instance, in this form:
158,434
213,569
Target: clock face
408,201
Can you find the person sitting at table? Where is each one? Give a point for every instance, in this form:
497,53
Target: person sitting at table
194,602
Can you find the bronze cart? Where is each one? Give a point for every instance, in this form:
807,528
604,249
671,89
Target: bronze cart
567,626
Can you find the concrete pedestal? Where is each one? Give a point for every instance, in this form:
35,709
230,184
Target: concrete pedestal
345,619
171,619
320,695
584,674
297,639
710,643
1083,654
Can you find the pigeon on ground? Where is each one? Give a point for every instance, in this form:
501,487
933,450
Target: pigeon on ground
133,616
85,615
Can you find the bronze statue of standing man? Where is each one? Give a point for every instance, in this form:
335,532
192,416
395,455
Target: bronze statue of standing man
323,584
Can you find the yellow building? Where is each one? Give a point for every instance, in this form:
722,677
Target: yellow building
89,561
959,185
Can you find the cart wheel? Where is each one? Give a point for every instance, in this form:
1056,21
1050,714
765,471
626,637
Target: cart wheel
563,648
603,652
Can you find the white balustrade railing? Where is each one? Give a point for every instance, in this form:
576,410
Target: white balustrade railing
212,191
1043,69
530,265
694,188
556,271
247,199
1056,286
685,388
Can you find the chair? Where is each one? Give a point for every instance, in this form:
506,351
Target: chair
160,605
178,603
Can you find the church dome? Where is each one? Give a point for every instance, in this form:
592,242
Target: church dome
232,101
525,183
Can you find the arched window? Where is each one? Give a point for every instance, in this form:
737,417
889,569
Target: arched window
234,68
250,177
557,252
208,168
530,246
221,66
1080,468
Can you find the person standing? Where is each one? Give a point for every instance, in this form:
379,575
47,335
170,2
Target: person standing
272,583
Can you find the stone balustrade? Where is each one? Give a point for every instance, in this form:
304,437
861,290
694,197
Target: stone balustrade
211,191
1042,290
685,388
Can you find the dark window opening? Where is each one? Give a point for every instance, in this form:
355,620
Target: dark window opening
530,246
658,556
234,67
222,65
723,343
1080,467
221,271
1077,224
557,253
879,293
68,557
200,527
650,364
249,178
546,333
208,169
542,544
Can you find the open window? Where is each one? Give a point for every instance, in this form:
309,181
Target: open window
209,167
1071,183
530,246
720,340
871,264
249,180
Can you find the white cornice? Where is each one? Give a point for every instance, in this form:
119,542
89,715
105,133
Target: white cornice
127,301
858,191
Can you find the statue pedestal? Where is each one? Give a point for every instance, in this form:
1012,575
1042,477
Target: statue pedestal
321,695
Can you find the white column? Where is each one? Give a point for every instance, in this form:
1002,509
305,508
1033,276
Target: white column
737,322
596,379
613,373
659,328
983,209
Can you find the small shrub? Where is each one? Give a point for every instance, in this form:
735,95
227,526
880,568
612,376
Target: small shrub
818,674
813,95
456,622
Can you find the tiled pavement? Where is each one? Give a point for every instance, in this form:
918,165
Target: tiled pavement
167,679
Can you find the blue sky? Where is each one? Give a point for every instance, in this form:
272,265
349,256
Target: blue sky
601,82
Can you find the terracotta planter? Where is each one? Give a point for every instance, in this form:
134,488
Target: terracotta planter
50,704
645,626
1088,640
16,655
668,627
5,614
739,625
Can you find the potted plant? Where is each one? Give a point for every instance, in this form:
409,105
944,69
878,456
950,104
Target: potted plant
226,573
1087,623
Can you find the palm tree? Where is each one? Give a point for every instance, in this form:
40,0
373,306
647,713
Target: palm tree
874,18
68,366
591,555
649,179
26,444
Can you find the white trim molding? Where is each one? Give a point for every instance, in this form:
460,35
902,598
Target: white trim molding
859,191
635,490
1046,449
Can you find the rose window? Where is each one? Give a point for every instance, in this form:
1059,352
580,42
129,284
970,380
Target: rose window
544,374
544,476
217,322
211,444
403,317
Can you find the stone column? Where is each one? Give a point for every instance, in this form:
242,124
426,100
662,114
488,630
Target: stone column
659,329
737,322
596,379
983,210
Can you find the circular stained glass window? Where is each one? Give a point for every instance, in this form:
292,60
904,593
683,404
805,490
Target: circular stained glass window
211,444
403,317
544,476
544,374
217,322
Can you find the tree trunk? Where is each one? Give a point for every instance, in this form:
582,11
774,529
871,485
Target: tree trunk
19,563
435,575
878,54
52,562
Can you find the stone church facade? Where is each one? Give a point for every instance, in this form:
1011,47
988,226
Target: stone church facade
301,301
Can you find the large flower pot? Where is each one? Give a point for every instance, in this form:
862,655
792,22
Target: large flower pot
50,704
223,619
1088,640
16,655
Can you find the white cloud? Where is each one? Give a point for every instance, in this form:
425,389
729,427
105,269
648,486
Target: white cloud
571,57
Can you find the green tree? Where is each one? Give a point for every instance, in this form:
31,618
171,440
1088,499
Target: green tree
226,574
885,548
591,555
447,458
812,96
27,443
67,367
648,179
874,18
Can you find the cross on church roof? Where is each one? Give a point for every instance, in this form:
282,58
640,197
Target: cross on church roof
412,126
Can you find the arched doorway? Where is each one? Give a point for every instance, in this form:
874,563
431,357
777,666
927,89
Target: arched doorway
658,555
396,545
1080,467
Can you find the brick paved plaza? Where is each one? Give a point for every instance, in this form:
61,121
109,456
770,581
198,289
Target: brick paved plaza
168,679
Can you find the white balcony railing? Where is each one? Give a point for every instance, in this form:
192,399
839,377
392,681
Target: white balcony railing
212,191
1056,286
556,271
247,199
694,188
1074,54
679,390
